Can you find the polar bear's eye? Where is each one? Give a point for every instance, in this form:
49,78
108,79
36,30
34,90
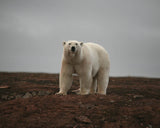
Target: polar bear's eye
76,44
69,43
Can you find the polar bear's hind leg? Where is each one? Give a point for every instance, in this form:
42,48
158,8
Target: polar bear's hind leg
103,79
93,86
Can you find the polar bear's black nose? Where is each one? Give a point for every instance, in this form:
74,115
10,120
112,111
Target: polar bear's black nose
73,49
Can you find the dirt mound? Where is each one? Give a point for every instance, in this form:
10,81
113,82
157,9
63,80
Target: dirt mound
28,101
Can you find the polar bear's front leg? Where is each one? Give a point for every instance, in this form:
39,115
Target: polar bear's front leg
65,79
85,84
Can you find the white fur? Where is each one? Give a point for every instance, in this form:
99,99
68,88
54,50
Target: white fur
91,62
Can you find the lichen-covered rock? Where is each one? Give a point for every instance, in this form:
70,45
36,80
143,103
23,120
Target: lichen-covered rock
41,93
18,96
48,92
138,96
27,95
4,97
11,97
34,93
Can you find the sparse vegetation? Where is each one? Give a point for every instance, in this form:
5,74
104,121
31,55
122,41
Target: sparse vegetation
29,101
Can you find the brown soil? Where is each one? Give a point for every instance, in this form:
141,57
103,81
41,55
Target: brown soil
130,103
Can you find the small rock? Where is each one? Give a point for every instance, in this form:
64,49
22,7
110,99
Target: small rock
48,92
79,103
126,117
138,96
27,95
81,125
11,97
41,93
89,106
14,94
76,126
130,100
34,93
112,101
83,119
4,87
18,96
101,98
141,124
150,126
4,97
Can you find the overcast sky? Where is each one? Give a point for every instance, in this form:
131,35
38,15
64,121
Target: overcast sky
32,32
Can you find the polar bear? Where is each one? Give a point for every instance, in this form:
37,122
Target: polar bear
90,61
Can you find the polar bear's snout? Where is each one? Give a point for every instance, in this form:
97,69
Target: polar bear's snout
73,48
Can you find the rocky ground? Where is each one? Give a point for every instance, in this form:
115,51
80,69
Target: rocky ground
27,100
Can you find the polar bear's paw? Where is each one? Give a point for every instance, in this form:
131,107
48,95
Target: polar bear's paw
60,93
77,91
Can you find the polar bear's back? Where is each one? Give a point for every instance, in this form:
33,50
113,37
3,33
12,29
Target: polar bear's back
96,49
98,53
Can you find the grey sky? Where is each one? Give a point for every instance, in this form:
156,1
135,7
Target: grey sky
32,31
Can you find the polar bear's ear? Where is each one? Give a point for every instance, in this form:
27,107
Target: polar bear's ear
81,43
64,43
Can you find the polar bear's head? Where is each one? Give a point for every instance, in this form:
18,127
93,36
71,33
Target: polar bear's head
72,48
